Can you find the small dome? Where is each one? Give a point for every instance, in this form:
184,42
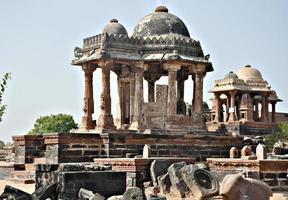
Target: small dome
160,22
231,75
249,73
115,28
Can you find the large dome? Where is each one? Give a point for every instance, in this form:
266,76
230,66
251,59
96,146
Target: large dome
160,22
115,28
249,73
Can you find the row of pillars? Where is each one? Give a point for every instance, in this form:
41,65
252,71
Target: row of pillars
176,93
231,99
105,120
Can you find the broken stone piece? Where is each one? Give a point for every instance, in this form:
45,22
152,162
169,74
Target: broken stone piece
14,193
179,187
116,197
159,168
45,192
201,183
133,193
164,183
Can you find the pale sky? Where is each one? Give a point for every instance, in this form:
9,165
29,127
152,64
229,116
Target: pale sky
37,39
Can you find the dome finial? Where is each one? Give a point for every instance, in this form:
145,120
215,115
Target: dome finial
161,9
114,21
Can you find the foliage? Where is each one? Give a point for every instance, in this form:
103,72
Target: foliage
53,123
281,133
3,86
2,144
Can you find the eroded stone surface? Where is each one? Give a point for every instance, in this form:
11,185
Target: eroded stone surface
179,187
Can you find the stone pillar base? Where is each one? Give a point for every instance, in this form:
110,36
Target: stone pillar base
232,117
136,126
105,122
88,123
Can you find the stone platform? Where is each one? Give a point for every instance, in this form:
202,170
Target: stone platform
84,147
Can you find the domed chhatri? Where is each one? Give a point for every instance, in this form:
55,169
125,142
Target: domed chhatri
160,22
115,28
249,73
231,75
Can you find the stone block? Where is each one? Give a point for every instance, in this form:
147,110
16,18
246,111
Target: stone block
106,183
159,168
261,151
179,188
233,152
133,193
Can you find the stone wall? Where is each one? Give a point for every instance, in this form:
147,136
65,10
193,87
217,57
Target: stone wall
70,147
273,172
28,147
80,147
172,145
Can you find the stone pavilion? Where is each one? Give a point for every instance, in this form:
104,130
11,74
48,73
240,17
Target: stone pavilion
241,103
159,46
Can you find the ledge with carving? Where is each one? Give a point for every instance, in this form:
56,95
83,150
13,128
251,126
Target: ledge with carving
233,164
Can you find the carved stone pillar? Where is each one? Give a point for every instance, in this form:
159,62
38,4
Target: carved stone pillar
273,111
172,98
88,108
232,114
138,98
194,88
198,93
217,108
105,120
151,90
180,88
264,109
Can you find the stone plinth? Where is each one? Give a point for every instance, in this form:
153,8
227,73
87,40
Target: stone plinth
83,147
73,147
138,169
273,172
73,176
28,147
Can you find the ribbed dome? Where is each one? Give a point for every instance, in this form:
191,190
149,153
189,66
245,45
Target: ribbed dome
160,22
231,75
115,28
249,73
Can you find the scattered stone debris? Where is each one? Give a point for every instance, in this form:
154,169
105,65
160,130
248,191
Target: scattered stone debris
182,181
89,195
280,148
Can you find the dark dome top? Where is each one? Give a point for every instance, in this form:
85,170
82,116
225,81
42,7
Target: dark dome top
160,22
115,28
231,75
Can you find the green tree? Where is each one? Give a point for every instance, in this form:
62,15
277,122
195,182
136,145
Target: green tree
53,123
2,144
280,133
3,86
